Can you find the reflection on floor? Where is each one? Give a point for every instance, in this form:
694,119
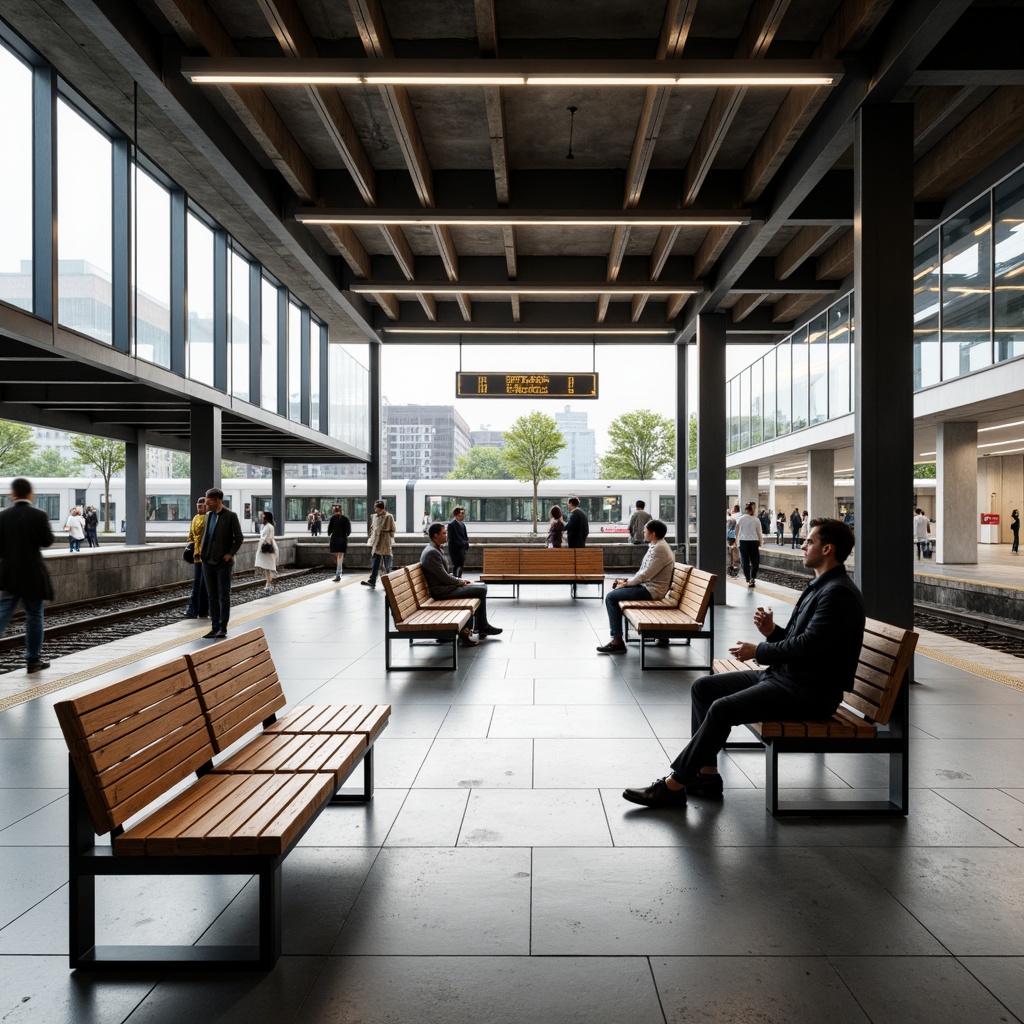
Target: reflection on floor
498,875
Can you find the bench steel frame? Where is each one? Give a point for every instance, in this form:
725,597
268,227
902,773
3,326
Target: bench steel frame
412,636
706,632
535,582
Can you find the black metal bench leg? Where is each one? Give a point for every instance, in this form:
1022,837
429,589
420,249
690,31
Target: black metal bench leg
771,778
367,794
81,886
270,916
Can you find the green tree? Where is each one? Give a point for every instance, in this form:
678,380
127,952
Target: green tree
642,443
480,464
924,471
107,457
16,446
181,463
691,447
530,444
50,462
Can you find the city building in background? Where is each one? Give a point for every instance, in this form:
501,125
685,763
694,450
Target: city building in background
422,442
578,459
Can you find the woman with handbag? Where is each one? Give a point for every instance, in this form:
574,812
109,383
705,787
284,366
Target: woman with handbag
266,557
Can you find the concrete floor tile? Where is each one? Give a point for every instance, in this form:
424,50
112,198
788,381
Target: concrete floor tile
357,824
16,804
47,826
579,721
438,902
534,817
703,902
498,990
1003,976
938,989
495,690
596,764
466,721
769,990
582,689
429,817
473,764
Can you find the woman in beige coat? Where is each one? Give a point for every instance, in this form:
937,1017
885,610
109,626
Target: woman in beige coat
381,540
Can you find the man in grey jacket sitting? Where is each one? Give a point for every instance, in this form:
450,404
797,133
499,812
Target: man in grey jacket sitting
441,584
650,583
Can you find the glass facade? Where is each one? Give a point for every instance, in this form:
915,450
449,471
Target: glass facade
16,181
966,290
142,269
85,250
1008,305
927,301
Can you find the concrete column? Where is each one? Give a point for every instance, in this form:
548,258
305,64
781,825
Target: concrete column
374,466
883,233
711,448
205,455
748,486
773,502
956,493
277,495
821,483
135,490
682,459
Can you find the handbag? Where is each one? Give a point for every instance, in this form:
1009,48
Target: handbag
267,549
189,554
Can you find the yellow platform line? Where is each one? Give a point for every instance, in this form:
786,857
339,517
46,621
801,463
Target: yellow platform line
13,700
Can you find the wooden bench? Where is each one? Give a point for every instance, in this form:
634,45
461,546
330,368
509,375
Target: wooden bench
413,622
133,743
535,565
873,718
687,612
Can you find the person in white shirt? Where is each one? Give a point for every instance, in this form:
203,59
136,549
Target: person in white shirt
74,527
749,538
651,583
921,531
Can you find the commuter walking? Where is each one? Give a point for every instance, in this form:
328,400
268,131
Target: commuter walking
380,542
921,531
780,527
74,527
266,557
92,522
795,522
458,541
577,526
749,538
338,531
765,519
1015,530
24,532
222,538
732,551
198,603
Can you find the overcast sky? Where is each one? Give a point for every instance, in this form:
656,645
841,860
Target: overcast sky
631,377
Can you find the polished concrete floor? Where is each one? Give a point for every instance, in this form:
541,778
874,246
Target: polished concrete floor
499,876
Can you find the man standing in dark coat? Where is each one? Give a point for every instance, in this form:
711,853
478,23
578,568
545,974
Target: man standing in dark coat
24,532
458,540
221,540
577,526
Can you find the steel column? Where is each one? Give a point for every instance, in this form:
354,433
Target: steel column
883,363
711,447
682,458
179,202
205,449
375,465
135,490
277,496
44,180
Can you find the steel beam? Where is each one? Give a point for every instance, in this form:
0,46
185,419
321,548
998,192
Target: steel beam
711,447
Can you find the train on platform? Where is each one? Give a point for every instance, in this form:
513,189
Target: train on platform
492,506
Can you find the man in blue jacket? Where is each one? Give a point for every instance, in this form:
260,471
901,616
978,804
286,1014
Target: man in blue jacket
810,663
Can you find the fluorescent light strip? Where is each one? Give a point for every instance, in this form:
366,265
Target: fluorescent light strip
505,219
1009,451
596,330
512,288
996,444
1001,426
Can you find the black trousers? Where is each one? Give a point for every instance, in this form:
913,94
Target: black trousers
719,702
217,577
750,558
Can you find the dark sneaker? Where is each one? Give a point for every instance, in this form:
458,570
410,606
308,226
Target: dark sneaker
212,635
657,794
36,665
191,615
612,647
489,631
706,785
367,583
222,634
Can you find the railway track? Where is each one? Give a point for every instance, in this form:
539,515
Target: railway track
73,628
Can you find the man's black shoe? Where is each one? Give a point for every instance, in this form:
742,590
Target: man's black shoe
657,794
36,665
615,646
212,635
489,631
706,785
221,634
662,641
191,615
367,583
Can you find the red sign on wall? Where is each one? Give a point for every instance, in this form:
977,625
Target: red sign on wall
989,518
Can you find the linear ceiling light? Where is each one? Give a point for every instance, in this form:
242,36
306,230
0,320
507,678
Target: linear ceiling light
525,218
597,330
557,73
518,288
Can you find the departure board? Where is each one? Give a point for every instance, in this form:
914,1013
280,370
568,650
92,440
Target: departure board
526,385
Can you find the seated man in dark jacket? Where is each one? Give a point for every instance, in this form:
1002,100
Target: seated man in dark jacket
441,583
810,663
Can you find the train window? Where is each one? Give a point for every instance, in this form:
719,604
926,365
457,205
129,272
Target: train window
298,508
667,508
49,503
101,511
165,508
600,508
